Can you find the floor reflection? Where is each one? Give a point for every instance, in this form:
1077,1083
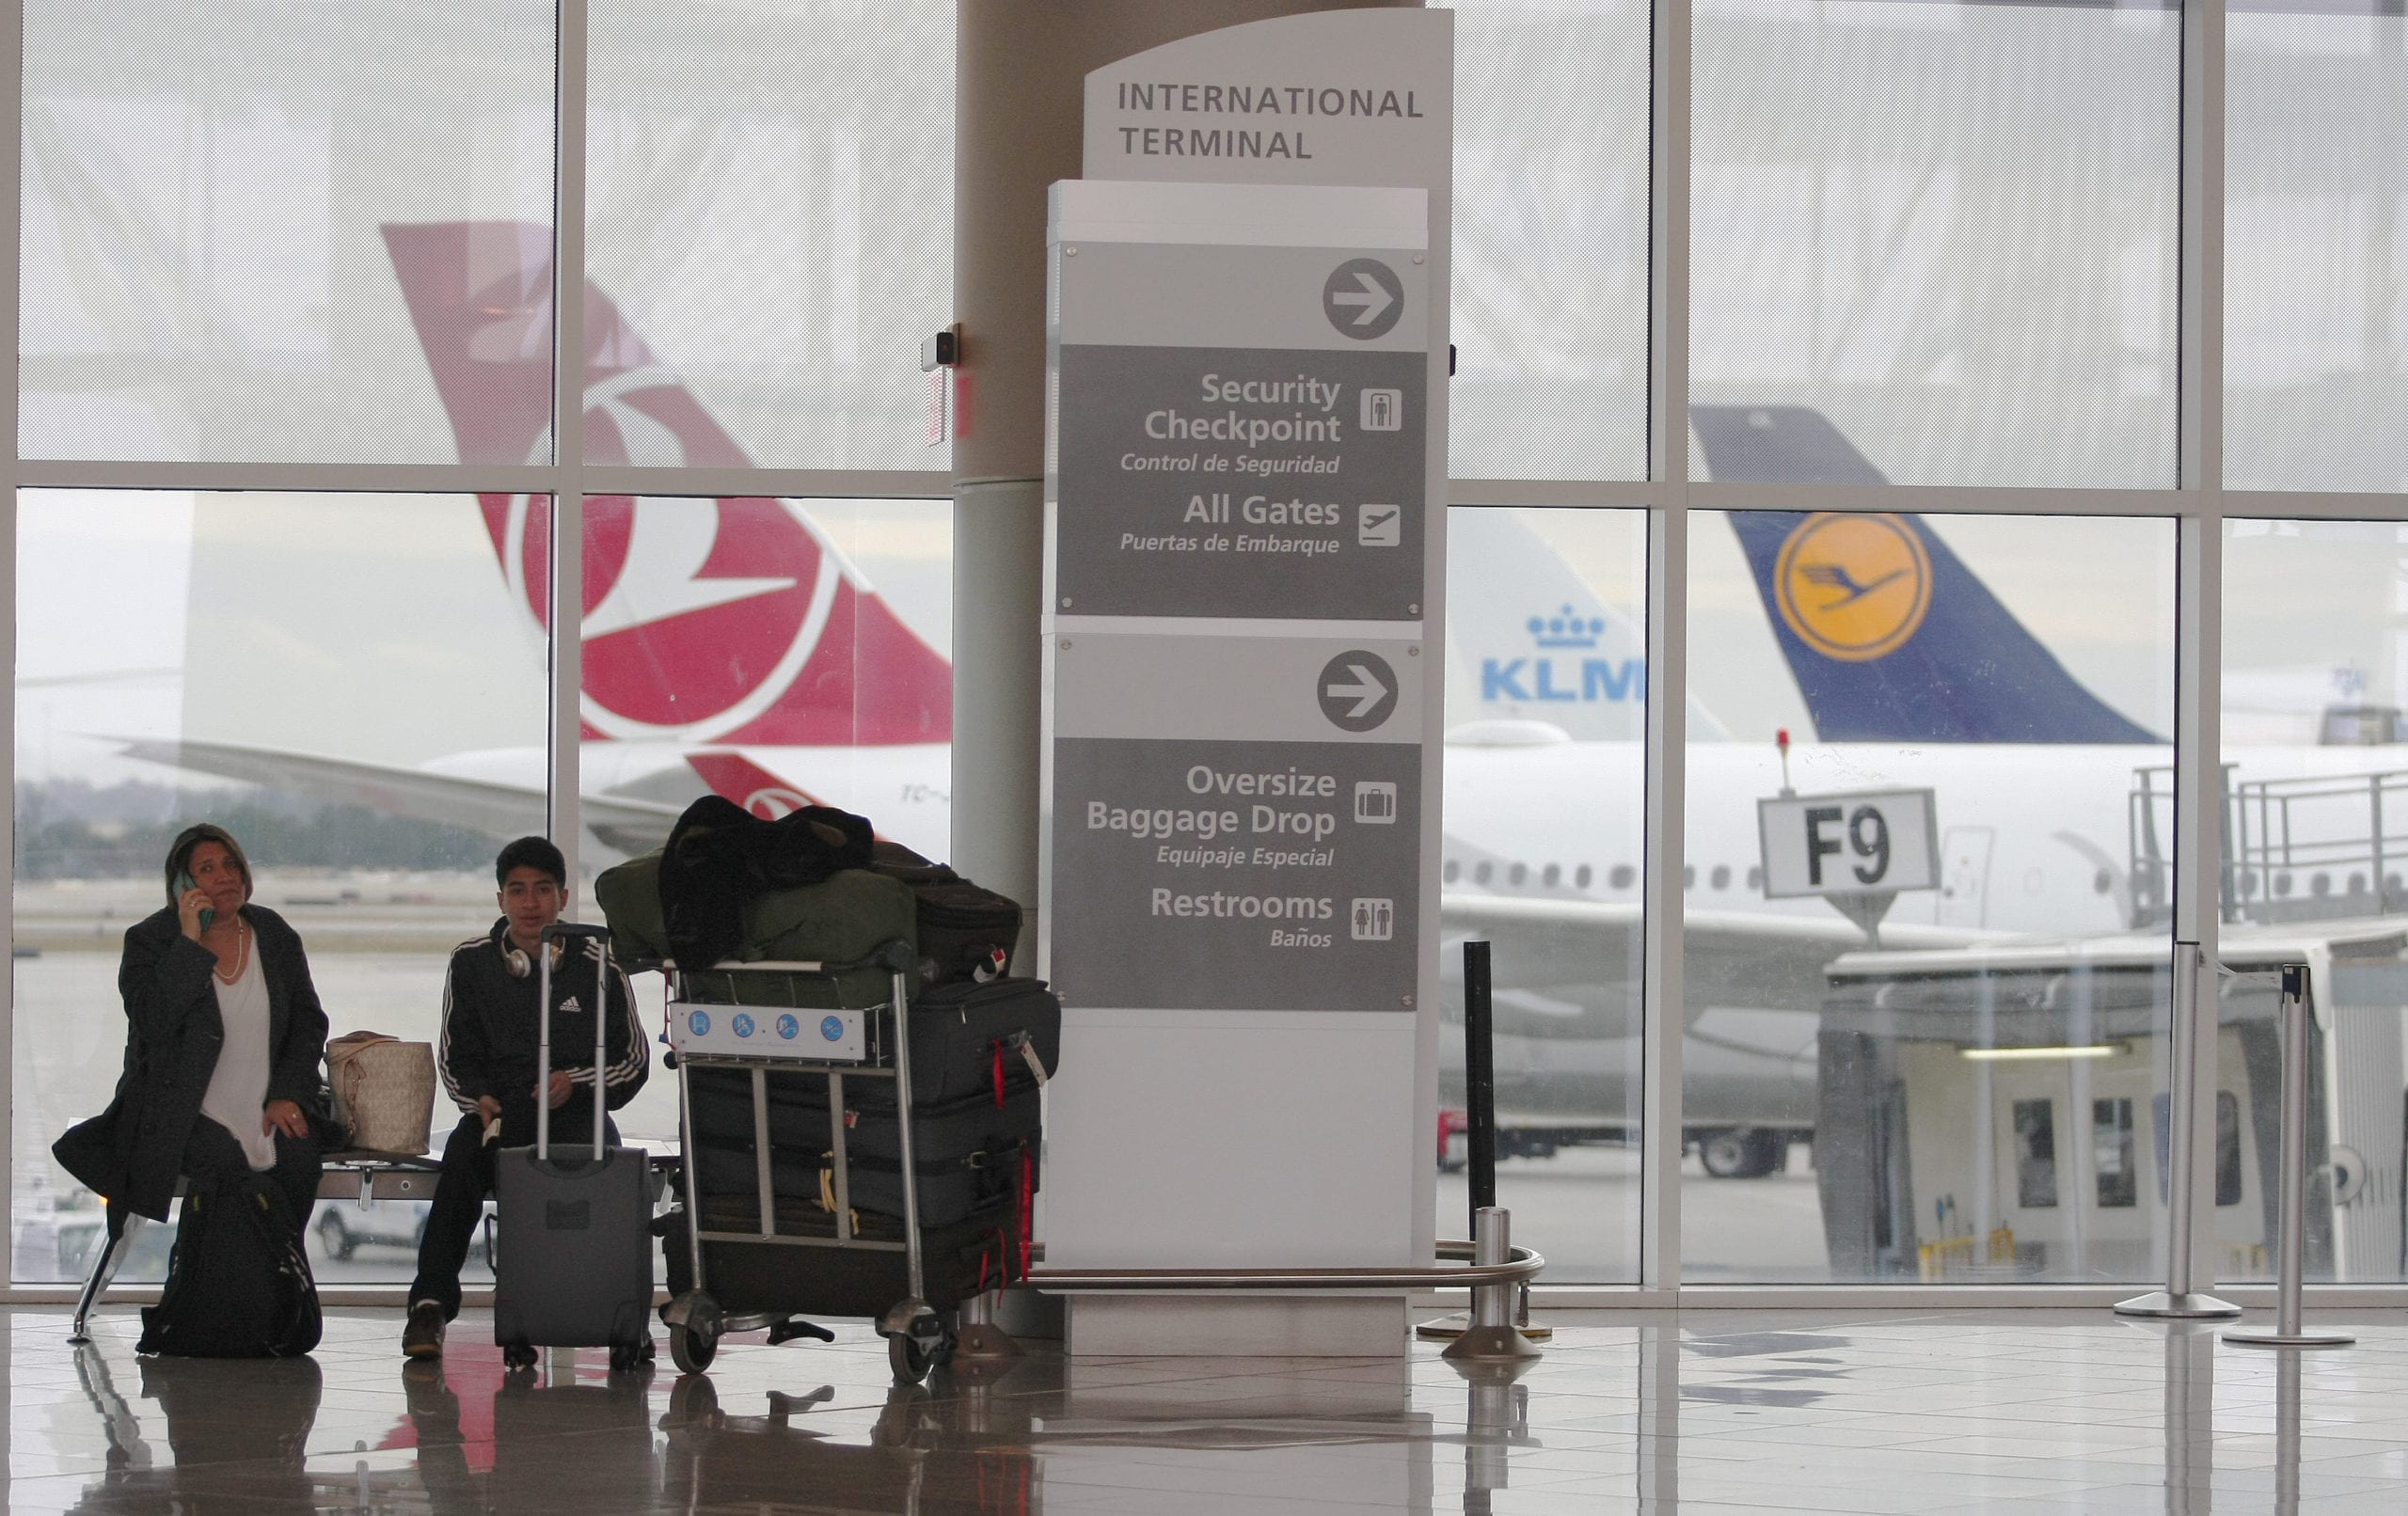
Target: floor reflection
1711,1412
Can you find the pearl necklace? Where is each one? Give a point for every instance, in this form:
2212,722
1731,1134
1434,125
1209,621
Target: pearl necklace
242,954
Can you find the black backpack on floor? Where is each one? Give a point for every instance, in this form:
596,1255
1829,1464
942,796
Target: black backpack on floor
240,1285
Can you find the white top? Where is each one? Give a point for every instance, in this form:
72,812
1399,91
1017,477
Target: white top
238,1086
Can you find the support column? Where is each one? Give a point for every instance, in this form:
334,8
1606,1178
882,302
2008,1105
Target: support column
1019,75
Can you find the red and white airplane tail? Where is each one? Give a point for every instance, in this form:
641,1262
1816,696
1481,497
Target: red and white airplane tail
726,621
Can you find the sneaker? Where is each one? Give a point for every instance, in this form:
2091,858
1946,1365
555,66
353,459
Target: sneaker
423,1336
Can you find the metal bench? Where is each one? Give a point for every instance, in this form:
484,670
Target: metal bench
355,1174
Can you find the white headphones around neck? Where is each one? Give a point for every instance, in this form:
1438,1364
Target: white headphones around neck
520,964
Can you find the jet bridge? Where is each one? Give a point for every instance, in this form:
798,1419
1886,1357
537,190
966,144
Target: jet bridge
2000,1113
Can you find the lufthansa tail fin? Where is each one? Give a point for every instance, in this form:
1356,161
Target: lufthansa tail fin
1890,636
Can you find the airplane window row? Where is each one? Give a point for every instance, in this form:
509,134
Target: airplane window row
1621,876
2319,884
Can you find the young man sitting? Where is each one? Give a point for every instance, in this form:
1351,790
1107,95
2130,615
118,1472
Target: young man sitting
490,1032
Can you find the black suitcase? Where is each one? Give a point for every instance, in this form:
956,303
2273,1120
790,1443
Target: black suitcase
961,1035
970,1153
575,1269
966,931
979,1251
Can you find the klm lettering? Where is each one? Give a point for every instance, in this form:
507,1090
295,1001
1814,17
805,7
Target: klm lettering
1552,679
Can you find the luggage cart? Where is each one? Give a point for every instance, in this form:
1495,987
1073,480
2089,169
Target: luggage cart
768,1040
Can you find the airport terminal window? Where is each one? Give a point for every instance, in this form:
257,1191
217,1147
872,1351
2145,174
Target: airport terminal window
1550,241
348,683
1935,243
2036,1154
1971,699
246,241
2227,1154
2315,673
824,677
238,229
2315,280
769,219
1546,709
2112,1159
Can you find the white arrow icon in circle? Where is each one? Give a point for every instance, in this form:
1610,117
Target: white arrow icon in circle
1367,689
1357,690
1363,299
1373,301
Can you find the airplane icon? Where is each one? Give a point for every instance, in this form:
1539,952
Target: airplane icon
1836,576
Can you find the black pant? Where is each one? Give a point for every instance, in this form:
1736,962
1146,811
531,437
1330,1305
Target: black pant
468,1179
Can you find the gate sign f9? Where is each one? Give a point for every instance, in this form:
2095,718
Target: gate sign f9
1871,840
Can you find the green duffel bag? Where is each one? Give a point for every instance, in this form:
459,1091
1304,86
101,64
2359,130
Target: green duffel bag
629,894
846,917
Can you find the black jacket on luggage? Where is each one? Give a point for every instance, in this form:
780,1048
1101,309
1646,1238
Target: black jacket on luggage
719,855
132,1153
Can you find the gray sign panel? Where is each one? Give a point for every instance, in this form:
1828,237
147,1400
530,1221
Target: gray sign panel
1185,295
1242,689
1236,876
1337,97
1245,483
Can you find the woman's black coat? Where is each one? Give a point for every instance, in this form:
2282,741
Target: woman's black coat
132,1152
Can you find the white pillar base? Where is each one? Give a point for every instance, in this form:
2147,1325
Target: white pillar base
1238,1326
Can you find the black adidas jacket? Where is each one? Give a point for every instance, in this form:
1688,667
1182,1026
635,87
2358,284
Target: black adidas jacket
490,1031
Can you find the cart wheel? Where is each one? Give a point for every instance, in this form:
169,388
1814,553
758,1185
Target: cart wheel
928,1345
630,1357
517,1355
910,1359
692,1350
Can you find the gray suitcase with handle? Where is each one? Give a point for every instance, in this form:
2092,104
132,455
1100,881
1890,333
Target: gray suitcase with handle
575,1269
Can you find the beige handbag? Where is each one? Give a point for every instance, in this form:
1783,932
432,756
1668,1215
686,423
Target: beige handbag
384,1089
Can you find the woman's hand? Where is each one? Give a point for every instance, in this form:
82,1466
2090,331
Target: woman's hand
284,1117
189,906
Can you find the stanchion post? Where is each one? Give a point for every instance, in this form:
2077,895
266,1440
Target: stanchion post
2179,1300
1480,1079
1492,1338
2291,1211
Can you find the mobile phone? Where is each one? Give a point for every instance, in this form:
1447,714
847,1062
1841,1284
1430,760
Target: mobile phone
184,882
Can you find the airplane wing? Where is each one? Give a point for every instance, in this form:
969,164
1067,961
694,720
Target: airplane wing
501,810
1559,947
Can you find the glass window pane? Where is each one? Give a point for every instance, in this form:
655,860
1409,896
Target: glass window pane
343,682
1546,691
769,212
822,675
2316,246
2035,1155
1955,958
1551,229
271,233
2316,755
2113,1159
1950,229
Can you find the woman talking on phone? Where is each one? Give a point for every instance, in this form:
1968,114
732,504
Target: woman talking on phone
225,1040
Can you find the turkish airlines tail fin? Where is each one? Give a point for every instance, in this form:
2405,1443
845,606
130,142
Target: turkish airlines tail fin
1890,636
733,620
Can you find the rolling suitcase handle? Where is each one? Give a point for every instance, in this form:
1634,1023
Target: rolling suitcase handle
569,931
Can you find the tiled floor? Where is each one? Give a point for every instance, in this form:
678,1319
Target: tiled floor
1710,1413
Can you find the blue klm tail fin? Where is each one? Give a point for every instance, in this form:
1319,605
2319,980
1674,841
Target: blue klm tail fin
1890,636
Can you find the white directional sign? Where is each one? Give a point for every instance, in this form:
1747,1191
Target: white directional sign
1867,841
